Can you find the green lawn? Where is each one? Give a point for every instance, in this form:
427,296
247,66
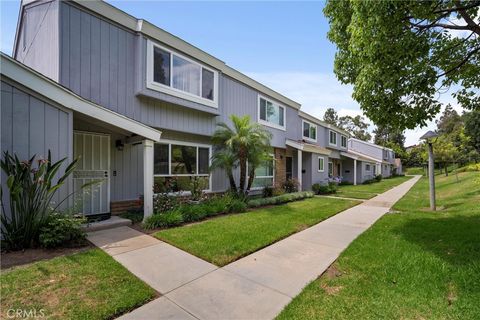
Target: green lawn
88,285
414,264
225,239
368,191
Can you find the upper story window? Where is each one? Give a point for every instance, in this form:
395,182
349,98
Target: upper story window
309,131
343,142
271,114
177,75
332,139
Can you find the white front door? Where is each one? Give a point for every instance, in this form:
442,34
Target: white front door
93,153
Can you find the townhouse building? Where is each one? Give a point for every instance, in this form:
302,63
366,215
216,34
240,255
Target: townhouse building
138,106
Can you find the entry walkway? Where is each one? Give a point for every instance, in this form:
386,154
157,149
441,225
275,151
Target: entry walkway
258,286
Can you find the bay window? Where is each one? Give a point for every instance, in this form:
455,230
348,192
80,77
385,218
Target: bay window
271,114
176,164
309,131
180,76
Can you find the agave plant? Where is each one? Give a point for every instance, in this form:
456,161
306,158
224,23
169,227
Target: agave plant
31,190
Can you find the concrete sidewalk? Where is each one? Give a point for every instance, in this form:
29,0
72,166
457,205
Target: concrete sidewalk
258,286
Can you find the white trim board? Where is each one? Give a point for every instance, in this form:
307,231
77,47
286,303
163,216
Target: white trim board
53,91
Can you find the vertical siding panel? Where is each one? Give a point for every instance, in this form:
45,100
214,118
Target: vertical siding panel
37,125
52,139
130,57
63,148
65,44
122,71
85,56
113,68
95,59
104,63
75,68
20,120
6,117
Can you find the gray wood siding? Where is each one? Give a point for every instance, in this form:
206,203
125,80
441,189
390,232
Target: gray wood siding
39,32
100,62
30,126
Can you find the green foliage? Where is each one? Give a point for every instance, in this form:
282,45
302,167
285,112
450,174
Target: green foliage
398,56
164,220
329,188
163,202
472,129
135,215
31,192
469,168
378,178
356,126
61,230
234,147
290,185
288,197
331,117
196,188
267,192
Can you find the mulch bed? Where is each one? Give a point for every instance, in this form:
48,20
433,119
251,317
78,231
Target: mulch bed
18,258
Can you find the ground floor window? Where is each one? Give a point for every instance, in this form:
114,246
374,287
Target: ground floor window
176,164
321,164
330,168
367,167
264,175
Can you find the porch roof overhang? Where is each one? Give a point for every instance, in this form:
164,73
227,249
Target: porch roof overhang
51,90
307,147
360,156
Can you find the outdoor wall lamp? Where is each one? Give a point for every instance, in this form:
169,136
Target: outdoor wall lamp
431,137
119,145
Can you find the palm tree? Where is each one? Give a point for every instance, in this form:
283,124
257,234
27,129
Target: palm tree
244,142
226,160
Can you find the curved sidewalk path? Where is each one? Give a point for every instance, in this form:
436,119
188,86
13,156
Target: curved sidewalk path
258,286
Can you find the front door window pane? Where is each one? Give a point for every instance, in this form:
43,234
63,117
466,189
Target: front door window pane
186,76
161,66
184,159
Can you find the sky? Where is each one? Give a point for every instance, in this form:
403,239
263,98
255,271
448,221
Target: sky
281,44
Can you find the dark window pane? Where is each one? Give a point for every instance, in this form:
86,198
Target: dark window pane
280,116
203,160
161,66
160,159
306,130
184,159
263,109
207,84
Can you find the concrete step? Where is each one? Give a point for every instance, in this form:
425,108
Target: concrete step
112,222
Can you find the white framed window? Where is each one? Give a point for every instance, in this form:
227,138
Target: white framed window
264,175
321,164
343,141
330,168
271,114
367,167
309,131
176,164
172,73
332,138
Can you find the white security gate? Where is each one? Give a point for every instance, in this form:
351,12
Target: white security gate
93,153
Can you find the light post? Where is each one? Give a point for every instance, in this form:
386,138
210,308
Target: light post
430,137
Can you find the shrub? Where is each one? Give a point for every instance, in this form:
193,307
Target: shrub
60,230
196,188
191,213
333,187
470,167
237,206
329,188
378,178
135,215
345,183
278,192
31,190
369,181
164,220
163,202
267,192
288,197
290,185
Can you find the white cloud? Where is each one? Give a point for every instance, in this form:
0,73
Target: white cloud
318,91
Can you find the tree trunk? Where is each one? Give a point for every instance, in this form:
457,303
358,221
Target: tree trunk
446,169
243,169
251,177
231,179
